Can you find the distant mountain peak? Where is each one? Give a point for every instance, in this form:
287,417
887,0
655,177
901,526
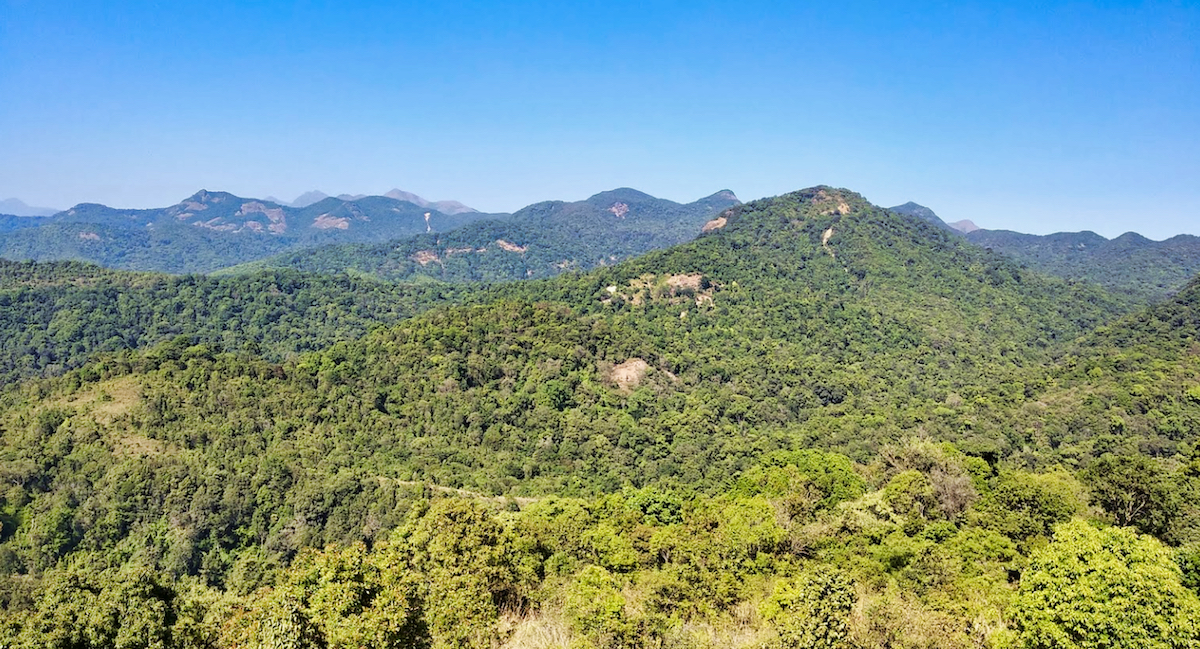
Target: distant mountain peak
309,197
964,226
206,197
445,207
620,195
915,209
924,213
17,207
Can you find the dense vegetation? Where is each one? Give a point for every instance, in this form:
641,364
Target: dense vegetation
541,240
1130,264
9,222
55,316
822,424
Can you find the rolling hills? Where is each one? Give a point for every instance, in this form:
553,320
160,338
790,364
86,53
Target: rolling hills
541,240
1132,265
819,416
211,230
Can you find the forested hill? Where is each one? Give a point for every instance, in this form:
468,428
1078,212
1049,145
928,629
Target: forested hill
1131,264
541,240
1130,387
669,428
55,316
8,222
211,230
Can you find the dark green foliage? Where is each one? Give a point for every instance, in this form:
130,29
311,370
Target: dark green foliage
54,317
1136,491
1130,264
9,222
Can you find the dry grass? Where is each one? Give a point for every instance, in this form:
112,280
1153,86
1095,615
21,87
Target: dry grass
536,631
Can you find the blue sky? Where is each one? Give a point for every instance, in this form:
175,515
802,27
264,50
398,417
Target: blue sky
1037,117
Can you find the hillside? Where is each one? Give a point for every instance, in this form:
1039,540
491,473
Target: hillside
57,315
1131,264
809,318
652,429
538,241
211,230
1130,387
10,222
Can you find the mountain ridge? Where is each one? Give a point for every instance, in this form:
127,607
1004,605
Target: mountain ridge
539,240
213,229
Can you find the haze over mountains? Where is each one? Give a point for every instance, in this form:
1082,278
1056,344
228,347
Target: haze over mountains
538,241
316,196
212,230
16,207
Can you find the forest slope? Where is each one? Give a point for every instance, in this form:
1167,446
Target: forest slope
812,318
55,316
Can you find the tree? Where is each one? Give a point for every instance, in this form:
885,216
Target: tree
812,611
1107,588
1135,491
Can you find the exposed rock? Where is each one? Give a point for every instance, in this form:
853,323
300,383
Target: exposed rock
425,257
629,375
326,222
274,214
511,247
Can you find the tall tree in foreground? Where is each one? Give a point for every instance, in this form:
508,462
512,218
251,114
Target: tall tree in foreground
1104,588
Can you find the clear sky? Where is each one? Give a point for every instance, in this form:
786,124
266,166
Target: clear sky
1036,117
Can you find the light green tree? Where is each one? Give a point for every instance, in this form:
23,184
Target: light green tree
812,611
1108,588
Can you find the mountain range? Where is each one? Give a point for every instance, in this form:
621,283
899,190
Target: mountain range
1131,264
316,196
538,241
403,237
212,230
818,418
